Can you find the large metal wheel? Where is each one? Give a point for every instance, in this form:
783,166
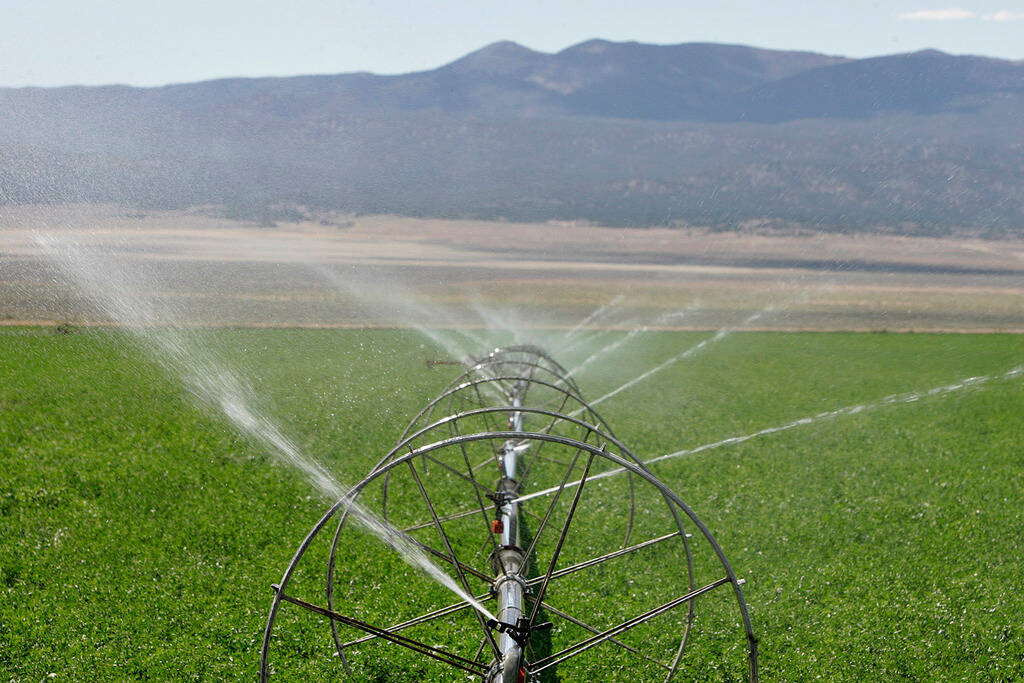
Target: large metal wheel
587,566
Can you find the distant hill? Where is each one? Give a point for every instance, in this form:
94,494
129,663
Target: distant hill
928,82
620,133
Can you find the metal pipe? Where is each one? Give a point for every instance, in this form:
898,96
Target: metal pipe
509,582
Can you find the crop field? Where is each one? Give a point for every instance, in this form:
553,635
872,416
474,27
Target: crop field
140,534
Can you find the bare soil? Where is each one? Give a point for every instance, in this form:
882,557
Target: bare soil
361,271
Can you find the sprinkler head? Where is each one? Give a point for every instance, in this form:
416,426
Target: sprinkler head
520,631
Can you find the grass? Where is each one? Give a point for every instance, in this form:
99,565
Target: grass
139,535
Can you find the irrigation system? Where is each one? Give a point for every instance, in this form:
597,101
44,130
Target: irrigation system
601,574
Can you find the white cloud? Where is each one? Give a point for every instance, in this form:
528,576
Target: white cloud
1004,15
948,14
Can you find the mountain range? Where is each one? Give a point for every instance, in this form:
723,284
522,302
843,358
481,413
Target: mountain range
722,136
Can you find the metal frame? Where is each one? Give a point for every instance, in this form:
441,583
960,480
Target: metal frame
442,446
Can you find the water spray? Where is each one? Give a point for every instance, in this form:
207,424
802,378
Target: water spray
613,568
598,312
884,402
217,387
662,319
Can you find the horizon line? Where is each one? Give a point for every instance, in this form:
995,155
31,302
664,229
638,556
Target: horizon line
329,74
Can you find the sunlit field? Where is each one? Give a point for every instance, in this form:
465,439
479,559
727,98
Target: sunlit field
880,539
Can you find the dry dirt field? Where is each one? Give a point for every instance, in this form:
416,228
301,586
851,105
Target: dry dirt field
387,270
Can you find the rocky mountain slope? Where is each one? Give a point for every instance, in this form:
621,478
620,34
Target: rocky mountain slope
618,133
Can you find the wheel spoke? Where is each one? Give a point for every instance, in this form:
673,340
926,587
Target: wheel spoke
455,562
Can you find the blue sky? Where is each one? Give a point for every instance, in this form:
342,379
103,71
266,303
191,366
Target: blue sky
61,42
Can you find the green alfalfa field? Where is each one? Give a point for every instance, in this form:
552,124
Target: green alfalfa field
139,534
